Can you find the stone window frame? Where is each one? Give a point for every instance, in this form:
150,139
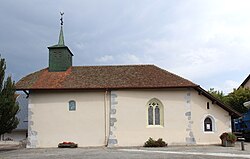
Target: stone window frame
213,120
72,103
208,124
155,104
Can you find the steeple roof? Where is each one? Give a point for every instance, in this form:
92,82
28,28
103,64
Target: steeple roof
61,38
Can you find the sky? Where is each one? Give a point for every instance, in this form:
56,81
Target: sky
205,41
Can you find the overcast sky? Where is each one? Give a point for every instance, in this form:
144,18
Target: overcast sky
205,41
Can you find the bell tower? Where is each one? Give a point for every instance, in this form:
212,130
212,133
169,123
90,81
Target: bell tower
60,56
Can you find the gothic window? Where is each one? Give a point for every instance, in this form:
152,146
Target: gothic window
155,112
208,124
150,115
157,115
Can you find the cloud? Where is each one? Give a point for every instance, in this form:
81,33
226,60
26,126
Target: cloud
227,87
204,41
125,58
105,59
129,59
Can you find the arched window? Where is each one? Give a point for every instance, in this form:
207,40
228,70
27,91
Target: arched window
157,115
72,105
155,112
150,115
208,124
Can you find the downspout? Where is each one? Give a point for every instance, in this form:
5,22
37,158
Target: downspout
106,116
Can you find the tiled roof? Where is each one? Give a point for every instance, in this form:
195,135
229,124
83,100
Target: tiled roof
104,77
111,77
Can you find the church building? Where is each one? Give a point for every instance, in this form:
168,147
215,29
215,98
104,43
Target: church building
117,105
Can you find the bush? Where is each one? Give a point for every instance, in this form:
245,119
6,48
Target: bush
155,143
228,136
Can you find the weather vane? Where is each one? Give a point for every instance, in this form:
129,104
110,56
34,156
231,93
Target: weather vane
61,19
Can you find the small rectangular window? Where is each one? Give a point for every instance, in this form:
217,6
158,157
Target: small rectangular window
72,105
207,105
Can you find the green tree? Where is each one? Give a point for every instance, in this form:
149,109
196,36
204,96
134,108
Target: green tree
218,94
236,99
8,105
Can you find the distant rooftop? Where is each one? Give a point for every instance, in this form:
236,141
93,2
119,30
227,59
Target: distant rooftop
22,115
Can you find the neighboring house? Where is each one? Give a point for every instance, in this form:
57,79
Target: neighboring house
246,82
119,105
21,132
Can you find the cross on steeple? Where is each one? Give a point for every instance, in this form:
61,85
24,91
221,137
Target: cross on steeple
61,38
61,19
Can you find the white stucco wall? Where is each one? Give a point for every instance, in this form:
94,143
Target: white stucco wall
51,122
221,118
132,129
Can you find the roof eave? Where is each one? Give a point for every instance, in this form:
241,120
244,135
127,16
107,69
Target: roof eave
218,102
101,88
60,47
245,81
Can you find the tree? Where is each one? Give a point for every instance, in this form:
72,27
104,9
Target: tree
218,94
237,98
234,99
8,105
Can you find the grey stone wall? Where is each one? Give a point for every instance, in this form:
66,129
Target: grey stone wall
190,139
32,134
112,141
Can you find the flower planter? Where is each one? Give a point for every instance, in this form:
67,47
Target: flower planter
67,145
228,139
226,143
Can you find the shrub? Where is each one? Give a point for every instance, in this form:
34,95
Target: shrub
223,136
231,137
155,143
228,136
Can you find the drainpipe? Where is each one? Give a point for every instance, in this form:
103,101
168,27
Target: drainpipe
106,116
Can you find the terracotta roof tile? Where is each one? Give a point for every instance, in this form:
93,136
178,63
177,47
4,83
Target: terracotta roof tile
104,77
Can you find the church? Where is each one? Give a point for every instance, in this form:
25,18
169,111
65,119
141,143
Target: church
117,105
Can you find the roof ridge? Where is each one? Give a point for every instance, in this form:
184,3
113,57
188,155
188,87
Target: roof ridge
116,65
245,81
176,75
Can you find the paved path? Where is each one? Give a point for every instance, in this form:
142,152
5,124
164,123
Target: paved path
171,152
229,155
